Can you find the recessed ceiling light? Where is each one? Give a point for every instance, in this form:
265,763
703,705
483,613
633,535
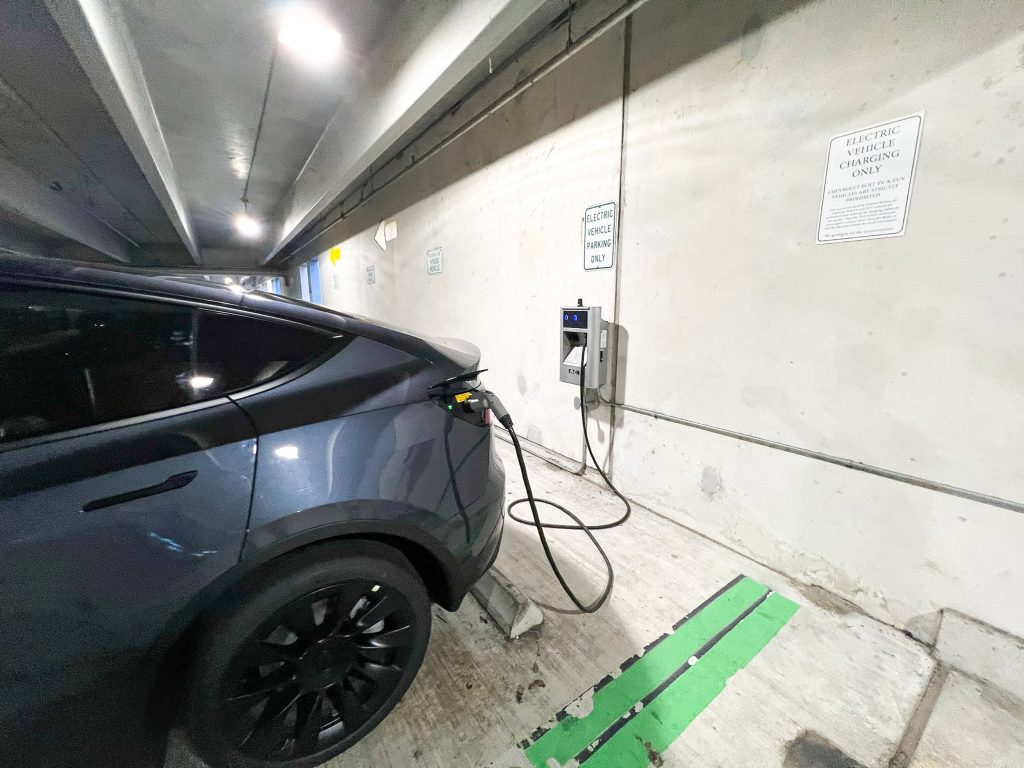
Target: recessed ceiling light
310,37
247,226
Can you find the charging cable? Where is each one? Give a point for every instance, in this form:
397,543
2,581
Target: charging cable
491,400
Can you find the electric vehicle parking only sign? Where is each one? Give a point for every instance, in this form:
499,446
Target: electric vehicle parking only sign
599,237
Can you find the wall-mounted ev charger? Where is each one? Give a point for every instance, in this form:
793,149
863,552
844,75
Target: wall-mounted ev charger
584,337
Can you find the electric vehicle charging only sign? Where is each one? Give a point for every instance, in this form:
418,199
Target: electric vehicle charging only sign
868,178
599,237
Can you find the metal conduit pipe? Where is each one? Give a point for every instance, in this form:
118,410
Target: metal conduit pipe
889,474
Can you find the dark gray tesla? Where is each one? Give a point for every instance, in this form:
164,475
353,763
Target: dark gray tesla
225,508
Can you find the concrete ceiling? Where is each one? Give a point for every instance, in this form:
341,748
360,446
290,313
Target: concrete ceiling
207,64
128,126
63,164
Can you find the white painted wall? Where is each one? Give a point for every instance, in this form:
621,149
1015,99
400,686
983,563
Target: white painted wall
892,352
903,353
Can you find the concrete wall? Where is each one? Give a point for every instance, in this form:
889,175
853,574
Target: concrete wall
903,353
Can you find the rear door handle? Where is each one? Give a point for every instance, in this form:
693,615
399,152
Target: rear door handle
172,483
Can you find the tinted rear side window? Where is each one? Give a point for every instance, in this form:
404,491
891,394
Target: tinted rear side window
241,352
70,359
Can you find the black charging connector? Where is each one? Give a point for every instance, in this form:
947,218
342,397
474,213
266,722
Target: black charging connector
482,400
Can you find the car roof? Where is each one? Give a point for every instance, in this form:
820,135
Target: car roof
122,278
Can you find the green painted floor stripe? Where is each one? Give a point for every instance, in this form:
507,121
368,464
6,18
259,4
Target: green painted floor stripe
661,722
572,735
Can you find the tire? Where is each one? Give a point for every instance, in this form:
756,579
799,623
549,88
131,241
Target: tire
307,657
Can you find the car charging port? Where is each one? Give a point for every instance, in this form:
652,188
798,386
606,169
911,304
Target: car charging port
463,397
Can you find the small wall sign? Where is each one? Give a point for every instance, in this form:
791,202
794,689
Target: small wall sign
435,261
599,237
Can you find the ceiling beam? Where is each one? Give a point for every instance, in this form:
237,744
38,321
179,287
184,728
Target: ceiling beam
444,42
98,34
26,195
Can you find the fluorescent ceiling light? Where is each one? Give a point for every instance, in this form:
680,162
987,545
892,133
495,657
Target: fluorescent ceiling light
247,226
311,38
200,382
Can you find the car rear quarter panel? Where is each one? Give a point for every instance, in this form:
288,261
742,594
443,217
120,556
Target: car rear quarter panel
356,443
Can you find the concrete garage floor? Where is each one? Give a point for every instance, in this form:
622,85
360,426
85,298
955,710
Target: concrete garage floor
832,689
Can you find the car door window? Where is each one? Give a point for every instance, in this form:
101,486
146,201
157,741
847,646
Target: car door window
73,359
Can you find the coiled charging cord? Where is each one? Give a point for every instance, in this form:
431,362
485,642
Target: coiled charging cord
577,524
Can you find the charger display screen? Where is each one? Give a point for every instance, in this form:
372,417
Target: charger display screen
574,318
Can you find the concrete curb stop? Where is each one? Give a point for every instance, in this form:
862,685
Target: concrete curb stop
513,611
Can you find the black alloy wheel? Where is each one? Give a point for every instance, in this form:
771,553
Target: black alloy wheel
312,676
317,670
